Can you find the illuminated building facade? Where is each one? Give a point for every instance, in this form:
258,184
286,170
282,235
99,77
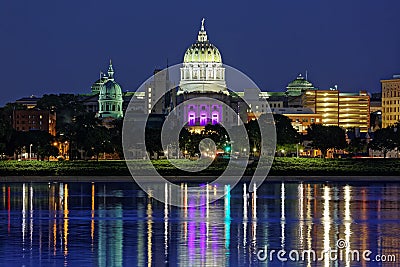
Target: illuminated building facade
34,119
390,101
110,97
202,69
347,110
203,75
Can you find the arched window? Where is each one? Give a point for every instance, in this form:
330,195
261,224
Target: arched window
215,118
191,119
203,119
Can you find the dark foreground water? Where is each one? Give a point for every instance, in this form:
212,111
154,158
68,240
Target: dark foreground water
115,224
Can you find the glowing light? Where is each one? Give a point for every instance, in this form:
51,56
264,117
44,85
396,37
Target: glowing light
66,212
227,215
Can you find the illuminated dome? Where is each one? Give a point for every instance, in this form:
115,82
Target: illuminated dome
110,96
300,83
202,51
110,90
202,69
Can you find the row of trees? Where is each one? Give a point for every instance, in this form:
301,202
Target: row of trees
88,137
289,140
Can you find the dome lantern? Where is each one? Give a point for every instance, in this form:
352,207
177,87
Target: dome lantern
110,71
202,51
202,37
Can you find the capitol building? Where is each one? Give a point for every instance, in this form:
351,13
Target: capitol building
197,93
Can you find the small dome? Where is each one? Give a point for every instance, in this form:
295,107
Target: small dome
300,83
110,90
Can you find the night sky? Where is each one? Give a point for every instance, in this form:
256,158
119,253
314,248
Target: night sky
60,46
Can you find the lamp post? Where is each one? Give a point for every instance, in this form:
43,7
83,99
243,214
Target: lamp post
30,151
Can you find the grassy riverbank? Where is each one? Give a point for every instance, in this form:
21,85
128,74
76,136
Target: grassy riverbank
280,167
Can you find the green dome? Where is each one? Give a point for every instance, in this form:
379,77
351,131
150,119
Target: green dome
300,83
110,90
202,52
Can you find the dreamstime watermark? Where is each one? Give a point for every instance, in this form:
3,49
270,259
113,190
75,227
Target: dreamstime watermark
219,100
341,252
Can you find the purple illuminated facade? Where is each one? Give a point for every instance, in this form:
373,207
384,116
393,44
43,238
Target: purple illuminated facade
202,114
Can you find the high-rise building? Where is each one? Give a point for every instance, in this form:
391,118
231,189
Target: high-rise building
160,93
347,110
390,101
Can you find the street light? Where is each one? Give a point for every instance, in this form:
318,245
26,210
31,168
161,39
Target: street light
30,152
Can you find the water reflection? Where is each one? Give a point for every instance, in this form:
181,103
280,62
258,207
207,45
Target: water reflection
117,224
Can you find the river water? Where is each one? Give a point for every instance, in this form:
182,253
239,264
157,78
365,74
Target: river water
281,224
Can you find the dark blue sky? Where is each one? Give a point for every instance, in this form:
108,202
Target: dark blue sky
52,46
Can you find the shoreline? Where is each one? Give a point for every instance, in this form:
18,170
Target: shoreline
198,179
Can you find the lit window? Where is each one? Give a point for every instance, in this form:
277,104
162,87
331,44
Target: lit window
215,118
203,119
191,119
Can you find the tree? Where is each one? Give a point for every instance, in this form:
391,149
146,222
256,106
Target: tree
67,107
326,137
356,144
254,134
98,141
46,151
87,135
116,136
217,133
189,141
41,142
386,139
6,129
285,133
153,140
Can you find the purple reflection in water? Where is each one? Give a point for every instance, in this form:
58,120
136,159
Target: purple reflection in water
192,229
